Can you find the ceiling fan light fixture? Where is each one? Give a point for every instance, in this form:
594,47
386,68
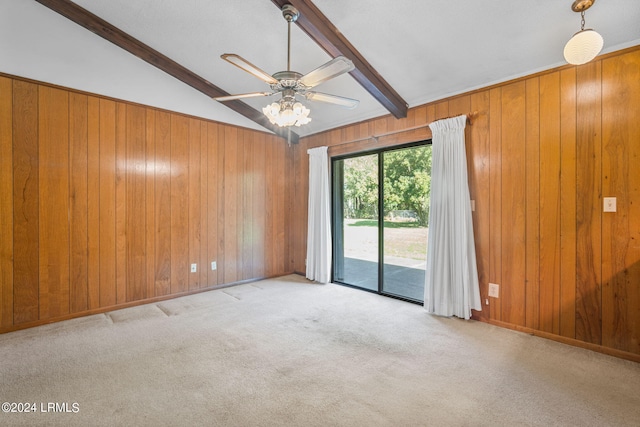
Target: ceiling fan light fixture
586,44
287,113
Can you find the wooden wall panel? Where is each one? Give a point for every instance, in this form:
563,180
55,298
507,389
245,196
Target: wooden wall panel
550,213
107,205
221,182
121,202
568,201
213,175
162,202
495,197
194,202
620,179
179,204
78,182
150,203
258,212
53,186
135,201
205,264
93,202
513,173
244,193
532,202
6,202
231,190
26,269
589,204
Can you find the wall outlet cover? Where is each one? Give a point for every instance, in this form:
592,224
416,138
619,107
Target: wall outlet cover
194,268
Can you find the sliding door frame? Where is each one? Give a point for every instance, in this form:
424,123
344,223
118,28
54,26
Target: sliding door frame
380,153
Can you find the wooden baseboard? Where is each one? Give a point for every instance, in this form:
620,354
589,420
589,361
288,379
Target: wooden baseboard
564,340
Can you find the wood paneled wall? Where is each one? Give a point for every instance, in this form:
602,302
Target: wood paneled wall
542,154
105,204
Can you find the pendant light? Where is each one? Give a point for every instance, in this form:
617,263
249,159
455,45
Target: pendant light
585,44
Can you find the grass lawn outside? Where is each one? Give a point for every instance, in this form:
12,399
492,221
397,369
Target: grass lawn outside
402,239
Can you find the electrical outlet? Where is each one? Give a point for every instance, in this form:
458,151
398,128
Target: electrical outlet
214,265
494,290
194,268
486,301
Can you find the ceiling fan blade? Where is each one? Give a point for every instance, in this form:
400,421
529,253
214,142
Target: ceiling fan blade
242,96
332,99
337,66
247,66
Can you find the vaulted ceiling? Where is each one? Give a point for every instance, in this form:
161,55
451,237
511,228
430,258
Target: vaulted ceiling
421,50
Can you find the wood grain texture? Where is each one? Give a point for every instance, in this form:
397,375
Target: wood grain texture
121,202
162,205
212,201
258,213
550,213
532,201
568,202
150,202
107,203
231,245
204,205
53,175
513,173
589,204
6,202
179,204
221,183
93,202
26,269
78,219
194,202
621,229
495,197
135,200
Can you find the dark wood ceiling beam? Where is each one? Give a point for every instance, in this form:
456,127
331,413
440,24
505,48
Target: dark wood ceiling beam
313,22
134,46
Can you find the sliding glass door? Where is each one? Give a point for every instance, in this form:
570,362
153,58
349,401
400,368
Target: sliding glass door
380,213
355,213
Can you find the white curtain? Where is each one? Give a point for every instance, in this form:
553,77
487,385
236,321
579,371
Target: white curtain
319,222
451,283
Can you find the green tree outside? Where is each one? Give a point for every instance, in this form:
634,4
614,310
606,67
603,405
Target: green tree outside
407,184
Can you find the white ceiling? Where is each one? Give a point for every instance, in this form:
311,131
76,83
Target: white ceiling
426,50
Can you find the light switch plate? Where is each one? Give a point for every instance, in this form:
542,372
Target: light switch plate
214,265
194,268
494,290
610,204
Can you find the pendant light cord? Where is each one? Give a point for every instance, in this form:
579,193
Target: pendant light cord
582,21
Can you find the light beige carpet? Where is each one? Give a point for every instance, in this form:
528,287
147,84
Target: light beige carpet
286,352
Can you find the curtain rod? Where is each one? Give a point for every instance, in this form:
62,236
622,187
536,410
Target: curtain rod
470,118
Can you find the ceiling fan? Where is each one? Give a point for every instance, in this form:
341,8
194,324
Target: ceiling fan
288,111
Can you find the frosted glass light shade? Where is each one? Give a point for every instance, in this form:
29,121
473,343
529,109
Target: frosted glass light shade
583,47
